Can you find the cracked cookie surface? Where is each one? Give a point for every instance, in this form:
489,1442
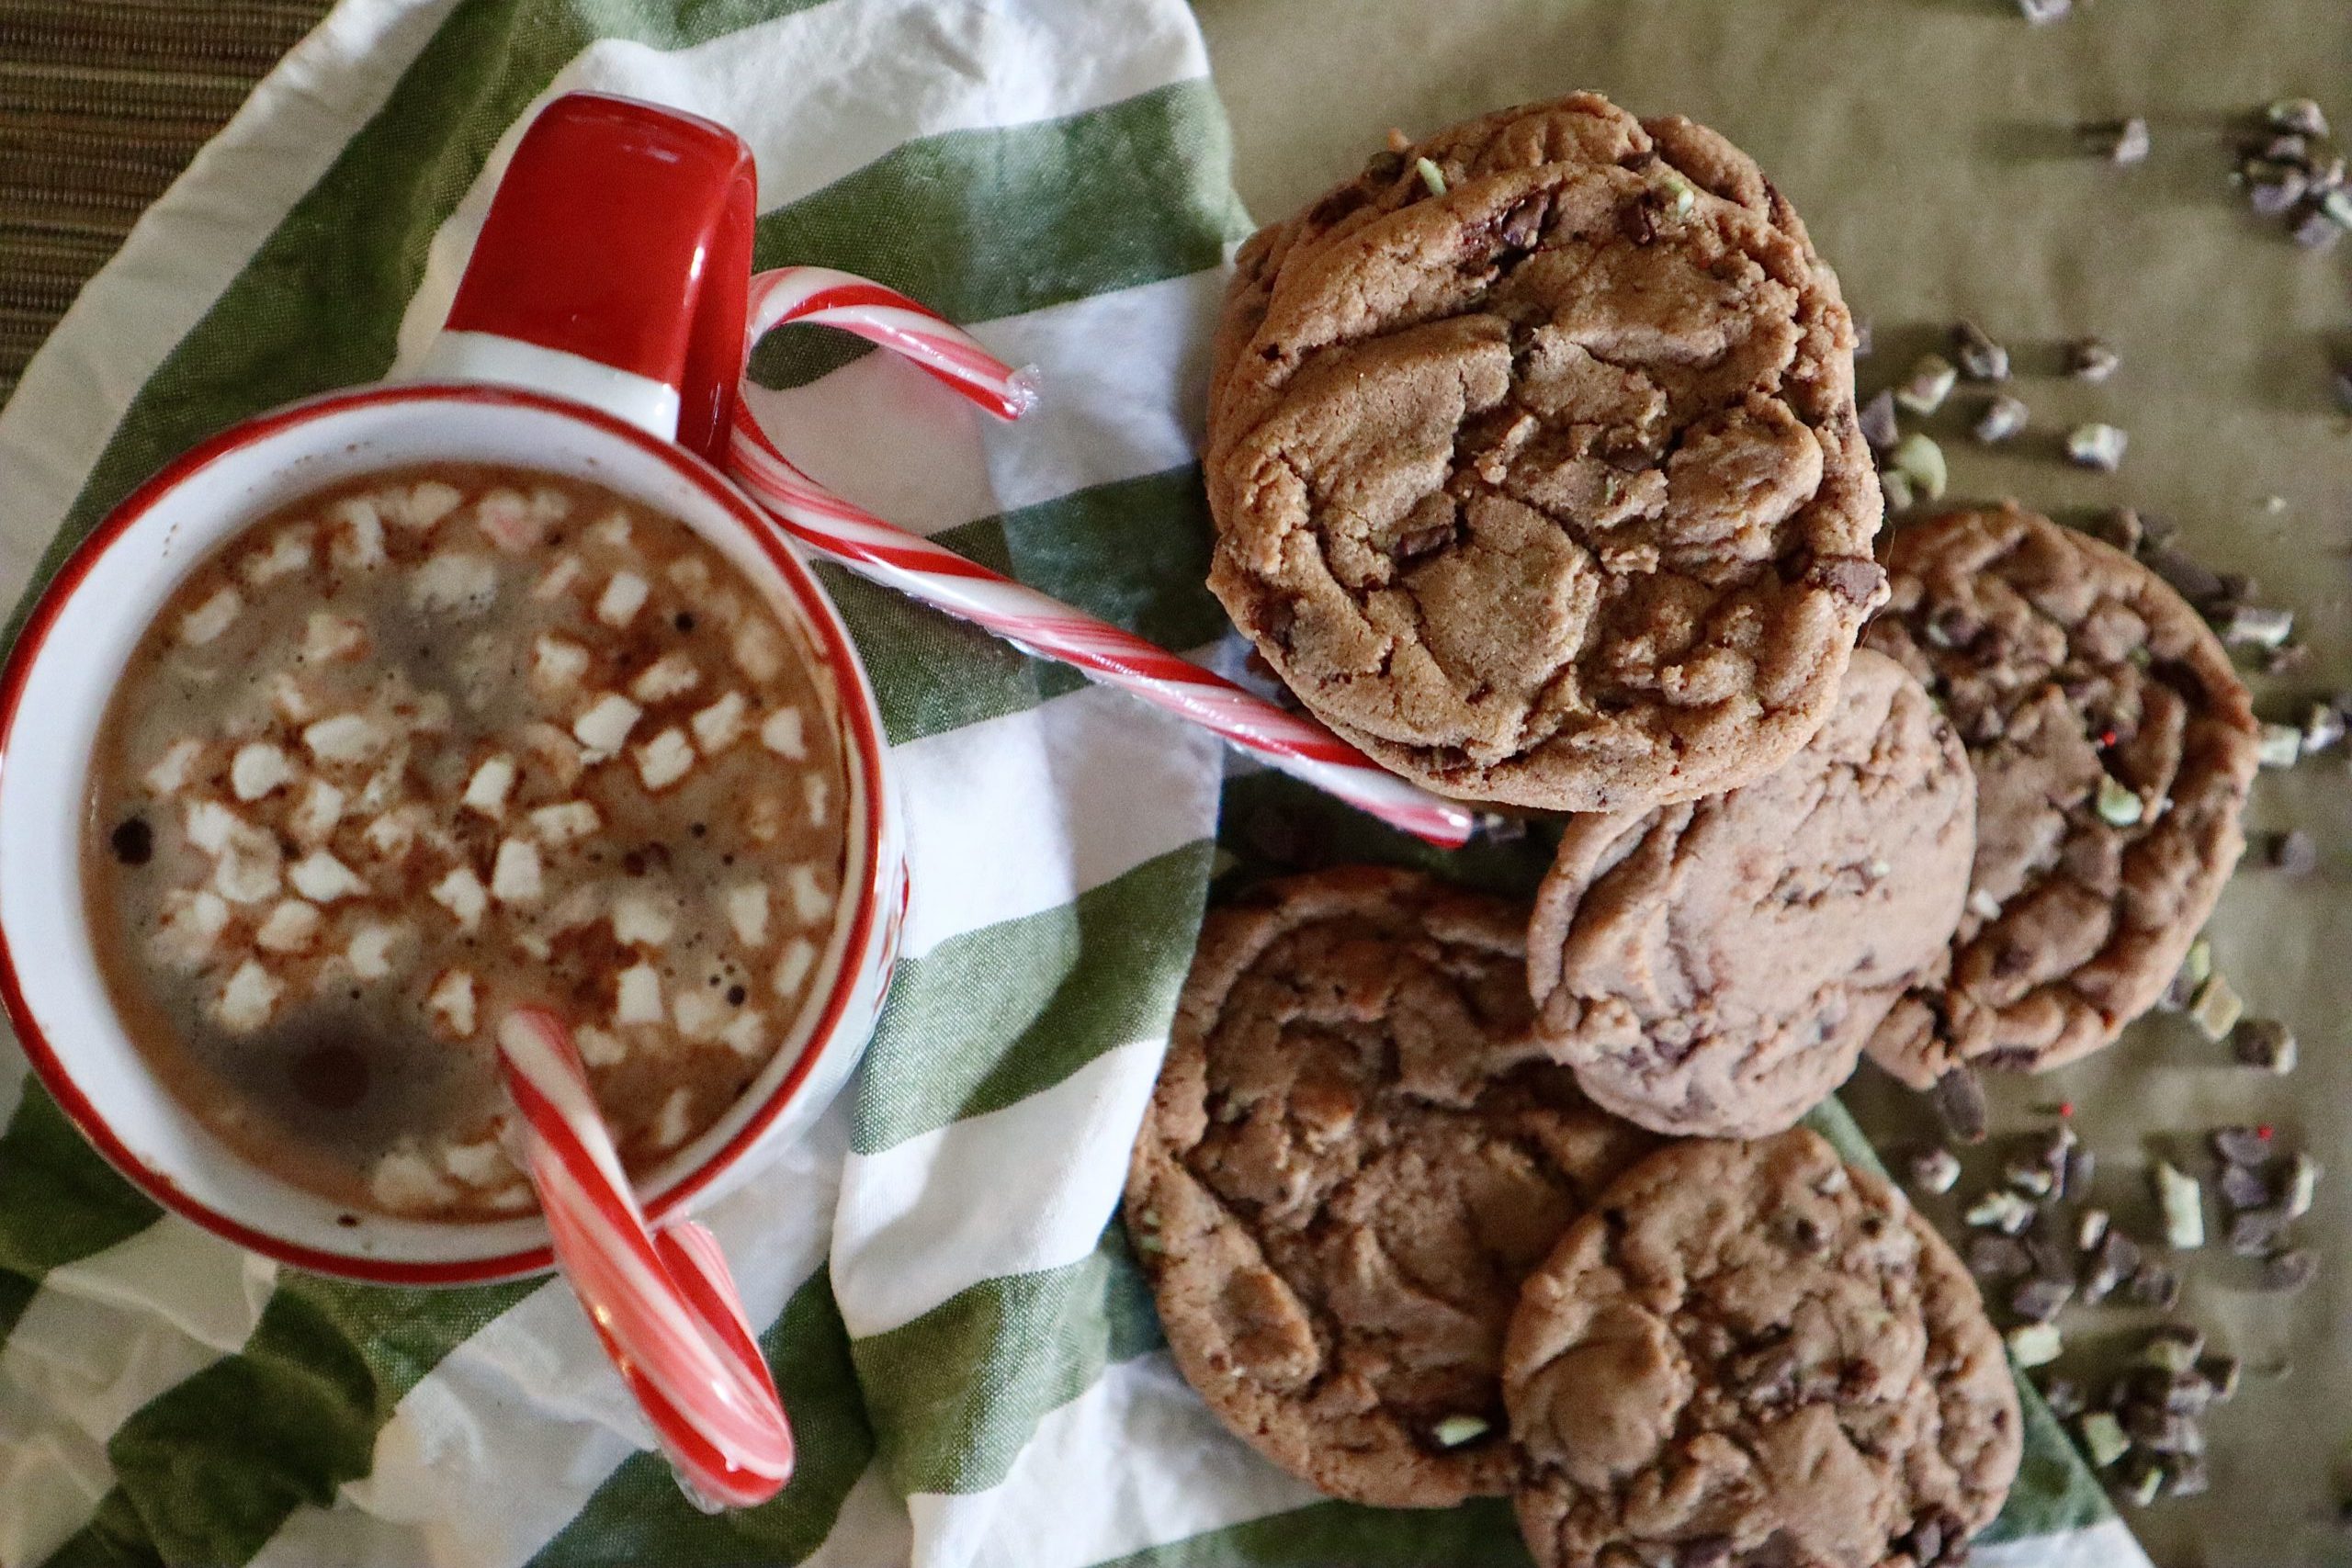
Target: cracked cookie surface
1355,1152
1715,969
2113,745
1547,490
1749,1353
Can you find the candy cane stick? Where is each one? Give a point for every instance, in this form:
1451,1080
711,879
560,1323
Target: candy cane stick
666,1308
1043,626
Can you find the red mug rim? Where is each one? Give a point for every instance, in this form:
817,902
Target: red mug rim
858,717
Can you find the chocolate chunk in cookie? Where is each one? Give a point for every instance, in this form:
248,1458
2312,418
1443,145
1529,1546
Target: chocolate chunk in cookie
1749,1353
1715,969
1354,1154
2113,745
1548,489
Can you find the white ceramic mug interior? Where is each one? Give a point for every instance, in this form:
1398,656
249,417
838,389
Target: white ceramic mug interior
55,692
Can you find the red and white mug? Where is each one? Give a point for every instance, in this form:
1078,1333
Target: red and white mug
598,333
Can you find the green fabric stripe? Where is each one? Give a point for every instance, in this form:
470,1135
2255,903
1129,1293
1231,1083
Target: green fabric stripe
1477,1535
210,1469
58,1201
1135,551
639,1515
995,1015
116,1536
320,304
957,1393
982,224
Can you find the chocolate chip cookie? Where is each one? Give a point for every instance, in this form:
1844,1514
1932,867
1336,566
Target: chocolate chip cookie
2113,745
1535,466
1715,969
1354,1154
1748,1349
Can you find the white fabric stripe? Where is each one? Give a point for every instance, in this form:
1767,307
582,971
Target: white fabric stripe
2106,1544
1136,1460
188,247
1126,376
921,1238
106,1335
982,845
872,1530
822,93
498,1448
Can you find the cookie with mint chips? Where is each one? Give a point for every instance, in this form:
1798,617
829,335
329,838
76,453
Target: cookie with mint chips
1355,1152
1535,464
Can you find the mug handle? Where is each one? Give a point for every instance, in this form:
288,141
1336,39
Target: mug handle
611,269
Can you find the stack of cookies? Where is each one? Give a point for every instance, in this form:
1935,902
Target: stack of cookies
1536,472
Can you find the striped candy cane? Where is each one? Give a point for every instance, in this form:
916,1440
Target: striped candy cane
1041,624
665,1306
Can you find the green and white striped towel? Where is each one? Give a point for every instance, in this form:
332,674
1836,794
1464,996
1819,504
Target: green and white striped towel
973,1369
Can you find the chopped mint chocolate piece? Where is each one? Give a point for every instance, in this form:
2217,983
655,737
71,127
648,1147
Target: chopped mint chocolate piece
2182,1197
2258,626
2120,526
2064,1397
2119,805
1959,1100
2081,1166
2091,360
2103,1438
1932,379
2036,1344
2187,1476
1878,423
1981,359
2002,418
2322,726
2264,1044
1935,1170
2153,1284
2040,11
2217,1008
1997,1258
2294,852
1457,1430
2041,1301
2295,1194
2245,1186
2091,1230
2097,446
1919,459
2223,1373
2174,1346
1896,489
2242,1146
2125,141
2000,1211
1431,175
2279,746
2257,1233
2143,1477
2290,1270
2315,230
2299,117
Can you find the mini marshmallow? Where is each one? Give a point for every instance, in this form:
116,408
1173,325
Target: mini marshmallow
670,1126
359,534
454,583
482,1164
508,520
258,769
701,1013
213,617
291,927
785,733
747,1035
691,573
599,1047
557,663
516,878
640,919
190,923
462,893
425,504
208,824
486,792
315,816
665,760
554,751
764,818
369,951
624,596
322,879
347,737
613,531
810,902
747,911
451,1000
578,907
406,1183
668,676
638,999
247,872
792,968
291,698
605,725
759,650
327,636
393,834
249,998
566,822
817,792
289,551
170,773
720,725
559,579
384,785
